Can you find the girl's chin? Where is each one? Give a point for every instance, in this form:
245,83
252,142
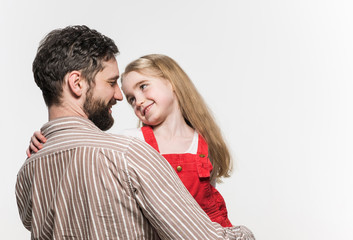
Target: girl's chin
152,124
149,123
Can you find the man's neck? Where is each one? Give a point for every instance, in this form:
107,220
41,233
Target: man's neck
65,110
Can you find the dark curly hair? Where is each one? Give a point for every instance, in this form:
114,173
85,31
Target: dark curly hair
68,49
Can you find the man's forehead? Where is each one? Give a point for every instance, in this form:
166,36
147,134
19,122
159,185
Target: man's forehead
110,68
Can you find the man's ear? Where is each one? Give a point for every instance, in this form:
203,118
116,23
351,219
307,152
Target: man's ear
76,83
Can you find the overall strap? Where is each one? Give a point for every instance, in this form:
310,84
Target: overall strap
202,148
148,134
203,163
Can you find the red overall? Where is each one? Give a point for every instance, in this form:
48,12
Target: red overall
194,171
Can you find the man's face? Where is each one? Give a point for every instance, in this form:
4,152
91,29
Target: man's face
102,95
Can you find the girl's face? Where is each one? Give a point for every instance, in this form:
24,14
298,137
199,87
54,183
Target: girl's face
152,98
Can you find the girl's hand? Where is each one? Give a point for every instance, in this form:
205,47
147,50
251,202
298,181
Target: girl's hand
36,143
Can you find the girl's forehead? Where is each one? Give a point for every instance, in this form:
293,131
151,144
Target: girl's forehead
143,73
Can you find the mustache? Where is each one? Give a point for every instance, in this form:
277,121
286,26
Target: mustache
112,102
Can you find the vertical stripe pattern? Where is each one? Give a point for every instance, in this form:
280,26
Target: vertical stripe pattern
88,184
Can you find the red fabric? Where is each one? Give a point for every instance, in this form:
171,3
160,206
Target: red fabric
195,175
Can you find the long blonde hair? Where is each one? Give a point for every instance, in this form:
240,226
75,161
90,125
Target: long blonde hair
193,107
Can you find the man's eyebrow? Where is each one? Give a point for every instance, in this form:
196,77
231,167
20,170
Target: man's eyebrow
116,77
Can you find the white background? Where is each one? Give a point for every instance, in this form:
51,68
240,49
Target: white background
276,74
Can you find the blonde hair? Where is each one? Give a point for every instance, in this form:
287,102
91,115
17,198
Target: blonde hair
193,107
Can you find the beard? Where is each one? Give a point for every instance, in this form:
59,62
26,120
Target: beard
98,111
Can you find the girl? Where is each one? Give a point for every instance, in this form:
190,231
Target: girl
177,123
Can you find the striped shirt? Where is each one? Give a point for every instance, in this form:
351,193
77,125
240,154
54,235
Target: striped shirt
88,184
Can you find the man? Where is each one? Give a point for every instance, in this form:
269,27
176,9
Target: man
88,184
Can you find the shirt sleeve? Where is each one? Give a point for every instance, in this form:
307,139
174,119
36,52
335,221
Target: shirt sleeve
167,204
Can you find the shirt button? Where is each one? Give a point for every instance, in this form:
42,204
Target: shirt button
202,155
179,168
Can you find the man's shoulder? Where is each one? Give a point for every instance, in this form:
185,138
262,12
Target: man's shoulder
130,141
110,141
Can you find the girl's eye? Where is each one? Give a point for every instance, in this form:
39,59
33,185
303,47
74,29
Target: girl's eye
131,100
143,86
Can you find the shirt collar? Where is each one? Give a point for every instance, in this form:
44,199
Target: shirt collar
67,123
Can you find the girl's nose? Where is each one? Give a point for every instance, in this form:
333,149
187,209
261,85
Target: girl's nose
139,99
140,102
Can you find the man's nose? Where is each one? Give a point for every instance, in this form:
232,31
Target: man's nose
118,94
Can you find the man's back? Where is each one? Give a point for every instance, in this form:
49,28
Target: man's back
74,187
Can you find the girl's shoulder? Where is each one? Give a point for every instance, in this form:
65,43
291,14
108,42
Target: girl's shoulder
132,132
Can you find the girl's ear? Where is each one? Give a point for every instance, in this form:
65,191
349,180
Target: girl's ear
76,83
